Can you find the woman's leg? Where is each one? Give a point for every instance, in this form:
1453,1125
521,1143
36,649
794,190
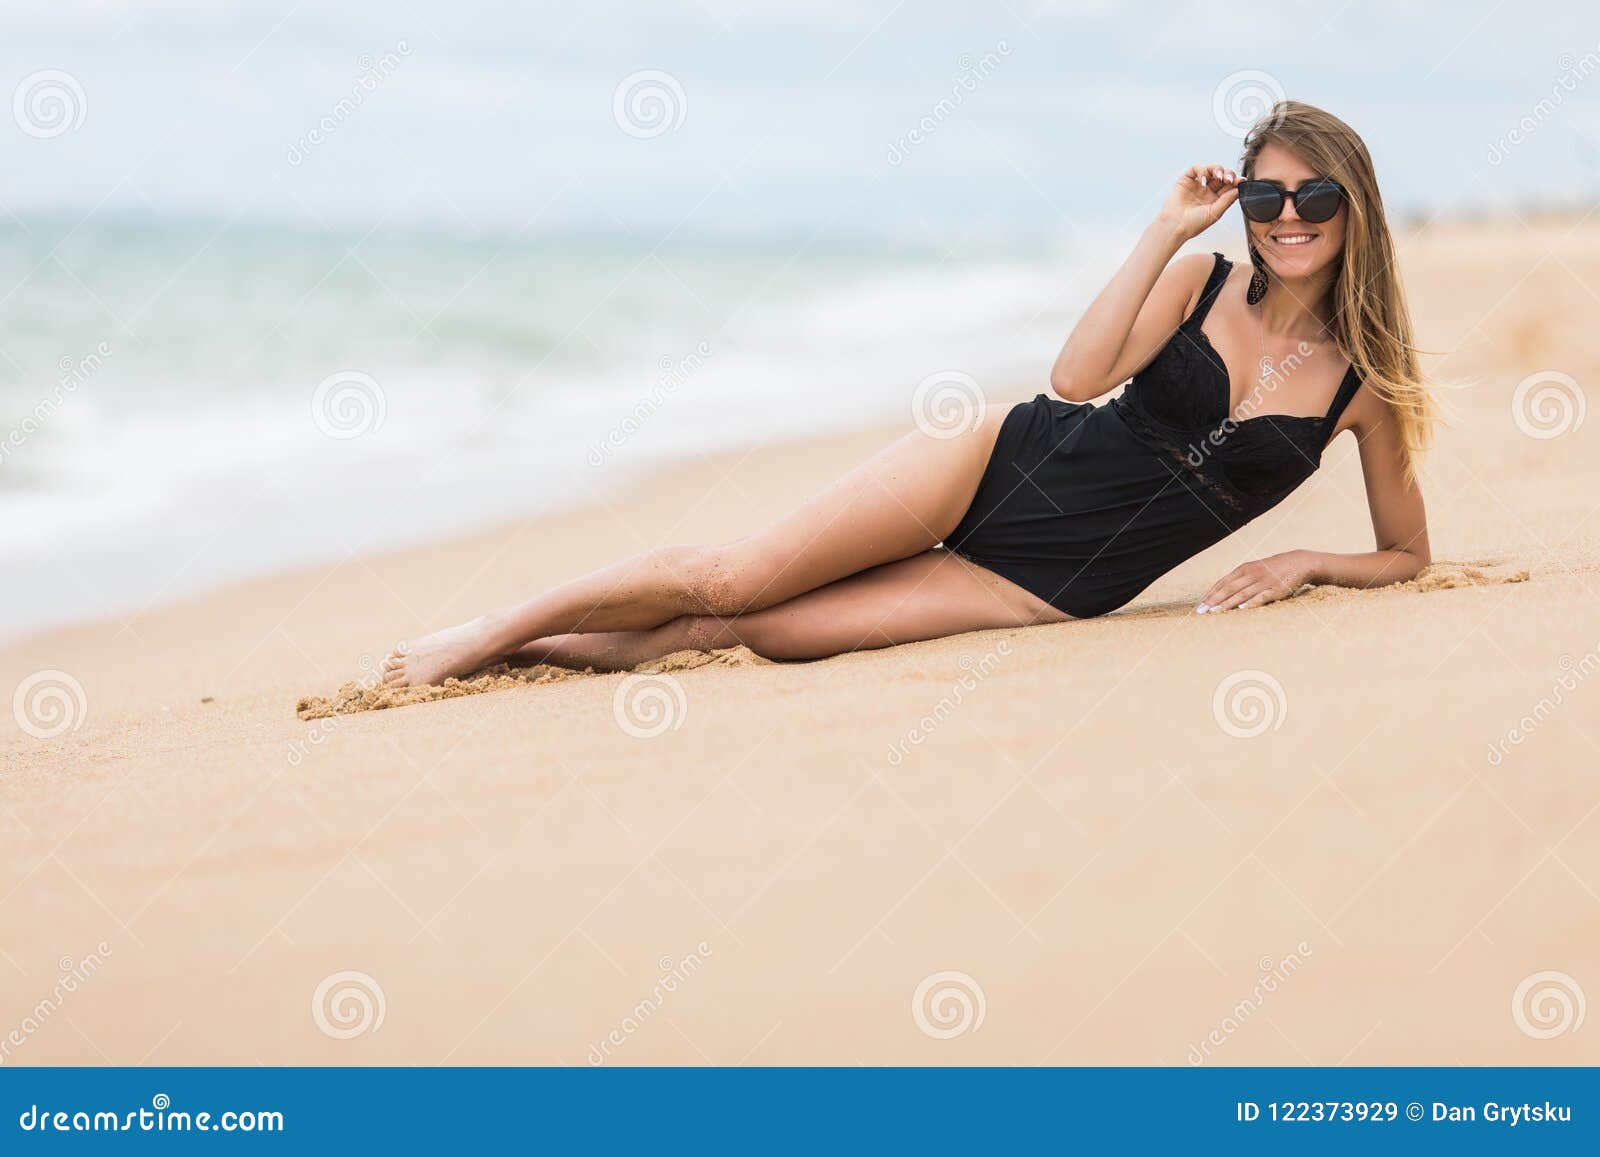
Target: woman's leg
928,596
899,503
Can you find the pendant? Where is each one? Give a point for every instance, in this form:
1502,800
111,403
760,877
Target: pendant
1268,369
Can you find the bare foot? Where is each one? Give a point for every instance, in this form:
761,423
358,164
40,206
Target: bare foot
454,651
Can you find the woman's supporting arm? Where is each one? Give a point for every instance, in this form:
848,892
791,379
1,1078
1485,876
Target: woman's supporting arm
1399,526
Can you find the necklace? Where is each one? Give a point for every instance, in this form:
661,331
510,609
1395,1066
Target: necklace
1266,368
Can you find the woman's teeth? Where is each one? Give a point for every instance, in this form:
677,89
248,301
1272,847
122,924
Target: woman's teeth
1294,238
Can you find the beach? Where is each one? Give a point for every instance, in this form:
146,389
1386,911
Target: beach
1351,828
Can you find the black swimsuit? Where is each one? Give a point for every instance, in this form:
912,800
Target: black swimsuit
1085,506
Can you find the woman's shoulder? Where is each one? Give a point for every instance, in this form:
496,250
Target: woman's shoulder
1197,268
1189,275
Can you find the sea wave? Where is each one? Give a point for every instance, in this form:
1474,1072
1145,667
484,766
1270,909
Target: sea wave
190,403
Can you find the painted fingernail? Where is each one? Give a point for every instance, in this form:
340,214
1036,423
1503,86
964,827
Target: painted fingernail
1201,609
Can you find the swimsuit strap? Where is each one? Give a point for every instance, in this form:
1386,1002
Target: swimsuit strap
1213,287
1347,390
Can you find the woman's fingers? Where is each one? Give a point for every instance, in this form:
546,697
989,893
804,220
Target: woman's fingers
1212,178
1221,593
1241,596
1255,594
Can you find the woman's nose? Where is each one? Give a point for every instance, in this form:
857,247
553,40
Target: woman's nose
1289,212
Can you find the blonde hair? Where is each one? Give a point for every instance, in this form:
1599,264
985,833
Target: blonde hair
1371,324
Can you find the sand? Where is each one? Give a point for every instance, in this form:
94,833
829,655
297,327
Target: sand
1350,828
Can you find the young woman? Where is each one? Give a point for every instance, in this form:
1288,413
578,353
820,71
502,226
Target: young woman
1056,509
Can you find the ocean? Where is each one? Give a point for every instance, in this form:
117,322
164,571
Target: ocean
187,403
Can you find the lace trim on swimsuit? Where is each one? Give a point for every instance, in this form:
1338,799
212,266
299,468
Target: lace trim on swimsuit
1226,501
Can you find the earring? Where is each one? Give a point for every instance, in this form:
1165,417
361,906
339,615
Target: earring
1258,280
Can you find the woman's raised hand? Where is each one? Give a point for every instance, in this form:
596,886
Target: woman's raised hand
1201,196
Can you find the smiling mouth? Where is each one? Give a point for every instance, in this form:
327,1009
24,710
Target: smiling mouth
1293,238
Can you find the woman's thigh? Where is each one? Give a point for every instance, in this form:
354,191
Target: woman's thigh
899,503
928,596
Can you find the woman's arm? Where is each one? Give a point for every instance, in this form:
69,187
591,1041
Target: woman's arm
1399,526
1148,297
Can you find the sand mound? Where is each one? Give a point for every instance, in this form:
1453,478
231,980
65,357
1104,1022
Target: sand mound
689,660
354,697
1441,576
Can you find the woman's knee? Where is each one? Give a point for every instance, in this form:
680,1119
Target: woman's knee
723,580
702,633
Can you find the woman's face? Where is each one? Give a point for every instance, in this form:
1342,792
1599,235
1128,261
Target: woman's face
1294,249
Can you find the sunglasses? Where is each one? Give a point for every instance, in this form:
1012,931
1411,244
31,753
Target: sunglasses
1315,201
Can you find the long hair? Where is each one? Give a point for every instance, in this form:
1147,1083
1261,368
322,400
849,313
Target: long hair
1371,324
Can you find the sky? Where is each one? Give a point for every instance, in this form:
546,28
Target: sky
920,120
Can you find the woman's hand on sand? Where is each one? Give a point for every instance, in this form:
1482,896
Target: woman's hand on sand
1255,584
1199,199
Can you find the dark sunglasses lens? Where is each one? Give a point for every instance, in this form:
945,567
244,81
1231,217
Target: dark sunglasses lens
1317,201
1260,201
